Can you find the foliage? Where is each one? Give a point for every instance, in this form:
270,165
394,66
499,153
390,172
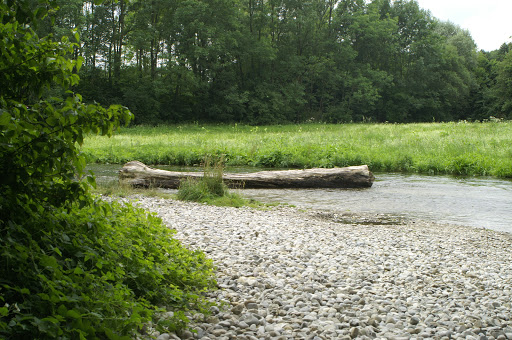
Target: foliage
210,188
204,191
281,61
441,148
504,86
40,134
72,266
114,188
493,75
94,272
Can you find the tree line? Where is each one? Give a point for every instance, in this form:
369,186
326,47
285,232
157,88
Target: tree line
276,61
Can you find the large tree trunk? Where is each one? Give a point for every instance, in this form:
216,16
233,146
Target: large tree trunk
138,174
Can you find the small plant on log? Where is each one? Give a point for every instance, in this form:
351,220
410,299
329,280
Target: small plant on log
210,188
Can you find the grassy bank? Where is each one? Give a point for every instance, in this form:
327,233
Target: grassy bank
435,148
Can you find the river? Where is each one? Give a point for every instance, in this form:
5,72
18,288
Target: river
483,202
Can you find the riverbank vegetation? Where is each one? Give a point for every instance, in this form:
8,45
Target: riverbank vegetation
431,148
73,266
211,189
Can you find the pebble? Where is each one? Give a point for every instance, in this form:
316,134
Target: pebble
286,273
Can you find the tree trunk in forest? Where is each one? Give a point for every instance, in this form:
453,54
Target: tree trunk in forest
140,175
118,36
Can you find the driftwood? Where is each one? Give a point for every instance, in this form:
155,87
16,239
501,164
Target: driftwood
138,174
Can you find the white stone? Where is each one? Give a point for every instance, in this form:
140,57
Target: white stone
303,272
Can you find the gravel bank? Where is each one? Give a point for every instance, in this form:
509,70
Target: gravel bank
287,274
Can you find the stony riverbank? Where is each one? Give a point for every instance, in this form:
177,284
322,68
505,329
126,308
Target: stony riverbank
289,274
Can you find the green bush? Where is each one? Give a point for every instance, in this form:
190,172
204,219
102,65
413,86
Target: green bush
72,266
98,271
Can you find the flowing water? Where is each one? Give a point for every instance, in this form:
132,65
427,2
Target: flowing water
479,202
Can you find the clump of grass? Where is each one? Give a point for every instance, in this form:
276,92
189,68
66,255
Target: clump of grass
118,189
211,188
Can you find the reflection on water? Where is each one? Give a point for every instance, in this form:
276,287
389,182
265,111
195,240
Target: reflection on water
479,202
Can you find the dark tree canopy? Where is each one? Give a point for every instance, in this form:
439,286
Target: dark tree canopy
273,61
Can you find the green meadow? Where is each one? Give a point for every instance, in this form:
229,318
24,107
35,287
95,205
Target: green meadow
477,149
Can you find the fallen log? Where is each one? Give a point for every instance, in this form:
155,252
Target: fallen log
138,174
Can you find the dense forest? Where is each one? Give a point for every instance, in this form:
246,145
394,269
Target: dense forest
274,61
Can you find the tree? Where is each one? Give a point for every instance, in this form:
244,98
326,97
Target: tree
41,135
504,87
368,42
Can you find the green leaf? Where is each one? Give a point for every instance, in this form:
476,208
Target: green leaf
92,181
73,314
51,319
5,117
49,262
78,271
41,12
109,276
4,311
62,310
44,296
111,335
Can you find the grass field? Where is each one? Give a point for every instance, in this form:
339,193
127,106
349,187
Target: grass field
433,148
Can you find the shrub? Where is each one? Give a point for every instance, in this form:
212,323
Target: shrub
95,272
73,267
